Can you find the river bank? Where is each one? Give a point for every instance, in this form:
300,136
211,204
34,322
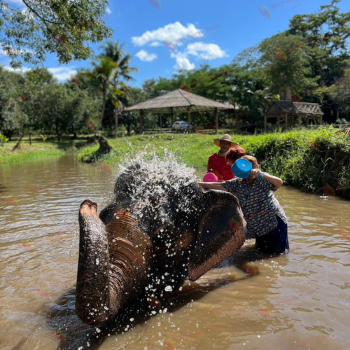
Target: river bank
317,161
38,150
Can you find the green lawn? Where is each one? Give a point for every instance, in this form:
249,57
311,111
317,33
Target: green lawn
38,150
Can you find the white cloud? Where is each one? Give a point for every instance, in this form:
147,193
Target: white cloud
155,44
17,70
182,62
108,10
201,51
174,31
173,36
62,73
205,51
145,56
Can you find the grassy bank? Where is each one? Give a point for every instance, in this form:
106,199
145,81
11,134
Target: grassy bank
313,160
38,150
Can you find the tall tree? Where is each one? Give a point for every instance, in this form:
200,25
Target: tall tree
285,63
102,79
341,93
39,77
326,35
116,53
59,26
12,96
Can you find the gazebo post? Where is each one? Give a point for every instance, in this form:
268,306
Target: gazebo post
286,116
216,121
141,121
265,121
189,118
299,120
278,121
172,116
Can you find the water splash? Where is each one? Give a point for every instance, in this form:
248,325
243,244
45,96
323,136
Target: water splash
156,175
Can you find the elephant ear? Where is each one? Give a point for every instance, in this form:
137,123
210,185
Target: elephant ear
220,232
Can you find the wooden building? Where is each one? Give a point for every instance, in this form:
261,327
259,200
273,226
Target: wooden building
287,114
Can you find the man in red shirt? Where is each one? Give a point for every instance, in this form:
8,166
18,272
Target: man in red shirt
217,163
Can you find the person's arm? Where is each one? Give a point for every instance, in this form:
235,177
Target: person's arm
212,185
276,181
210,166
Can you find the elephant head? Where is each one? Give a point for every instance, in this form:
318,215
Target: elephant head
161,228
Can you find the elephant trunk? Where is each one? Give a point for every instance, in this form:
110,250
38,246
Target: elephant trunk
92,296
113,263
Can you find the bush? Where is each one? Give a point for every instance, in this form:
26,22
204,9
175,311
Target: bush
316,161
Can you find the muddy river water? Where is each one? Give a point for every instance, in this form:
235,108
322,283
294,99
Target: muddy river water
298,301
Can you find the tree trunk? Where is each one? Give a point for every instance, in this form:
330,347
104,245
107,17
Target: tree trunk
18,143
102,114
287,92
105,147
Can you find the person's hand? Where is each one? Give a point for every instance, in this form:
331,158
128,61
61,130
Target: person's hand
254,173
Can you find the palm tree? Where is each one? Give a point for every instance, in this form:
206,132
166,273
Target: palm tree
116,53
102,79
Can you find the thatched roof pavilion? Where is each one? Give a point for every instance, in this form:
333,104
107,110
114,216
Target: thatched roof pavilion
179,101
287,110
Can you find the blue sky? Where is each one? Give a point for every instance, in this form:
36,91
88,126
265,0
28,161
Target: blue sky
164,36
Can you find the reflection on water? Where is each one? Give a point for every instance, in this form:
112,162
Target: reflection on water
299,301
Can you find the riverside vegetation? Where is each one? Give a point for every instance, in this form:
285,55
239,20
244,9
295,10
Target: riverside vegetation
38,150
317,161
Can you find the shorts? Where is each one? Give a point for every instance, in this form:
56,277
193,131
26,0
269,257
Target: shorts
275,241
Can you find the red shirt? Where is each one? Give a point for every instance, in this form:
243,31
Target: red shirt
220,167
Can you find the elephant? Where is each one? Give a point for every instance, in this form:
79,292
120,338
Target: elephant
160,229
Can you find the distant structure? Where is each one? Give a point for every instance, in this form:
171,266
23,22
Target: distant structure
287,112
179,101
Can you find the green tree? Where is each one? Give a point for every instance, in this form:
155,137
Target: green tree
12,97
116,53
102,80
286,65
250,93
57,26
39,77
325,35
341,93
